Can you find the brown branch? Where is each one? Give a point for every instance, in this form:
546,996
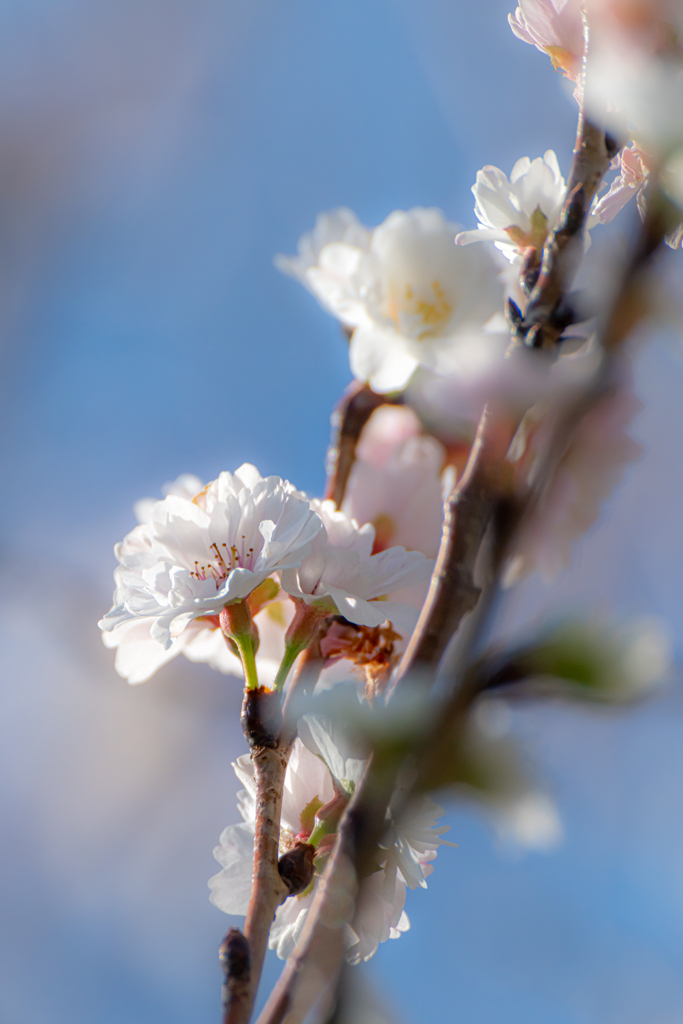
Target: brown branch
269,889
453,591
545,317
355,408
627,310
235,960
320,950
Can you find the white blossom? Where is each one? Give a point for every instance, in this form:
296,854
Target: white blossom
138,656
380,916
307,783
194,556
635,73
341,575
410,846
340,225
404,291
520,212
554,27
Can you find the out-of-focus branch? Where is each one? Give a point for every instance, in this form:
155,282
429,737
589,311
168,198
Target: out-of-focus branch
355,408
453,592
627,309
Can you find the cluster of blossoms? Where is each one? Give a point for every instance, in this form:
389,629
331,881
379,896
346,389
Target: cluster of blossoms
247,573
245,540
632,76
321,777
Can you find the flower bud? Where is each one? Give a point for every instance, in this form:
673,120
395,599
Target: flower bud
296,867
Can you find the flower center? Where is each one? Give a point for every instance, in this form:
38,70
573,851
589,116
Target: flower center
533,238
422,316
562,60
223,561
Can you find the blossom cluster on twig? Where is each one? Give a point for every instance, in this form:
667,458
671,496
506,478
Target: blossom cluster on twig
487,424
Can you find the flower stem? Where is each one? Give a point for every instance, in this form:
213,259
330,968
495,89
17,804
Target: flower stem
300,634
238,625
248,659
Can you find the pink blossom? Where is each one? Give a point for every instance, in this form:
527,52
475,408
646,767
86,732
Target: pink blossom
632,179
554,27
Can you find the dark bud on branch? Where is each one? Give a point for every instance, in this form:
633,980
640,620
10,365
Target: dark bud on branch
514,315
235,959
261,717
296,867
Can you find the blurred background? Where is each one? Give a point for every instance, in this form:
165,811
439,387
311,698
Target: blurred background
154,156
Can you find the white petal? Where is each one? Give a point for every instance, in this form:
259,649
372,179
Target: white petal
231,887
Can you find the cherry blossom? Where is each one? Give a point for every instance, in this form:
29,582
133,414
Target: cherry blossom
342,576
340,225
517,214
309,786
319,772
405,292
192,557
396,483
554,27
629,184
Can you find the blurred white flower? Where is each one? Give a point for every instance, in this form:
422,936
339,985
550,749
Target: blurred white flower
341,575
406,293
635,73
517,214
184,486
396,482
194,556
488,374
138,656
590,470
340,225
380,916
554,27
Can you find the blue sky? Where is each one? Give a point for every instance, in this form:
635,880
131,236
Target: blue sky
154,156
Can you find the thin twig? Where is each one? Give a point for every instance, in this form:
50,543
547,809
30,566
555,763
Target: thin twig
453,591
268,888
235,959
354,410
